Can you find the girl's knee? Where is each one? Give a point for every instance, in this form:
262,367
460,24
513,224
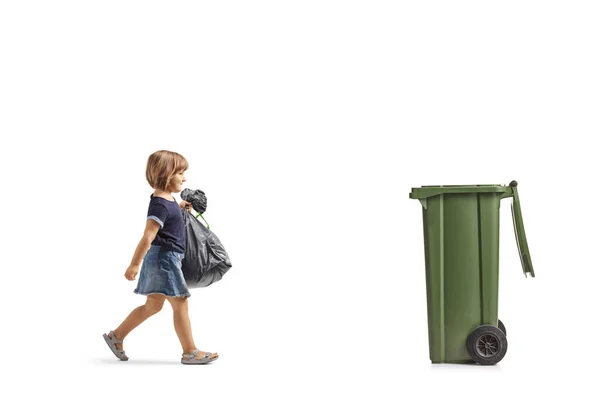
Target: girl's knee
178,302
154,304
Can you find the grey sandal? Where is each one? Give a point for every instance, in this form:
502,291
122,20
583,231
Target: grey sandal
191,358
112,341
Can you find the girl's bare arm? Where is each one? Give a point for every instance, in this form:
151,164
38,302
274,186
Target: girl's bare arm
150,232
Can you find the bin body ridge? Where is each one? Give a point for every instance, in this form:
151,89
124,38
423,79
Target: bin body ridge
461,232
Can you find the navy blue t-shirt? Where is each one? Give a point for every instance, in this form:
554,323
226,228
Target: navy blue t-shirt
172,234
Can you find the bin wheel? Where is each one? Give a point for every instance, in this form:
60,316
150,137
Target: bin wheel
502,327
487,345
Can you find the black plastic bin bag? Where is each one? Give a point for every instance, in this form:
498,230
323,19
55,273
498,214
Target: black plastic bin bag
196,197
206,260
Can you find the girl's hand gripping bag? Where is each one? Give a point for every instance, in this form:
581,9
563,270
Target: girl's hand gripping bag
205,261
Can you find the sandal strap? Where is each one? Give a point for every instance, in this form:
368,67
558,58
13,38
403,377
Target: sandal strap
192,355
114,338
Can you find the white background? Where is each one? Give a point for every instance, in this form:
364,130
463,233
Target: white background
306,123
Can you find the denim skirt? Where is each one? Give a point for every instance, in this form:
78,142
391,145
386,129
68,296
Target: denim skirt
161,273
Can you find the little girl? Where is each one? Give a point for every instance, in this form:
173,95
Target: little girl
162,248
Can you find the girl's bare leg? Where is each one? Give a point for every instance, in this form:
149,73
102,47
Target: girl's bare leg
183,327
154,303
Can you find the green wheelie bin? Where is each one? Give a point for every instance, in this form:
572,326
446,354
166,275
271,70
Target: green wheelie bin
461,226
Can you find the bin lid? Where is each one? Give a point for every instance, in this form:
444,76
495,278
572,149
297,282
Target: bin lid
424,192
520,232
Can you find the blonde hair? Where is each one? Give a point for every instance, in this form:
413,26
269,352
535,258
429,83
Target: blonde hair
162,166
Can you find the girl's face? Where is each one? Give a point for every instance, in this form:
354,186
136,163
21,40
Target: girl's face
177,182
